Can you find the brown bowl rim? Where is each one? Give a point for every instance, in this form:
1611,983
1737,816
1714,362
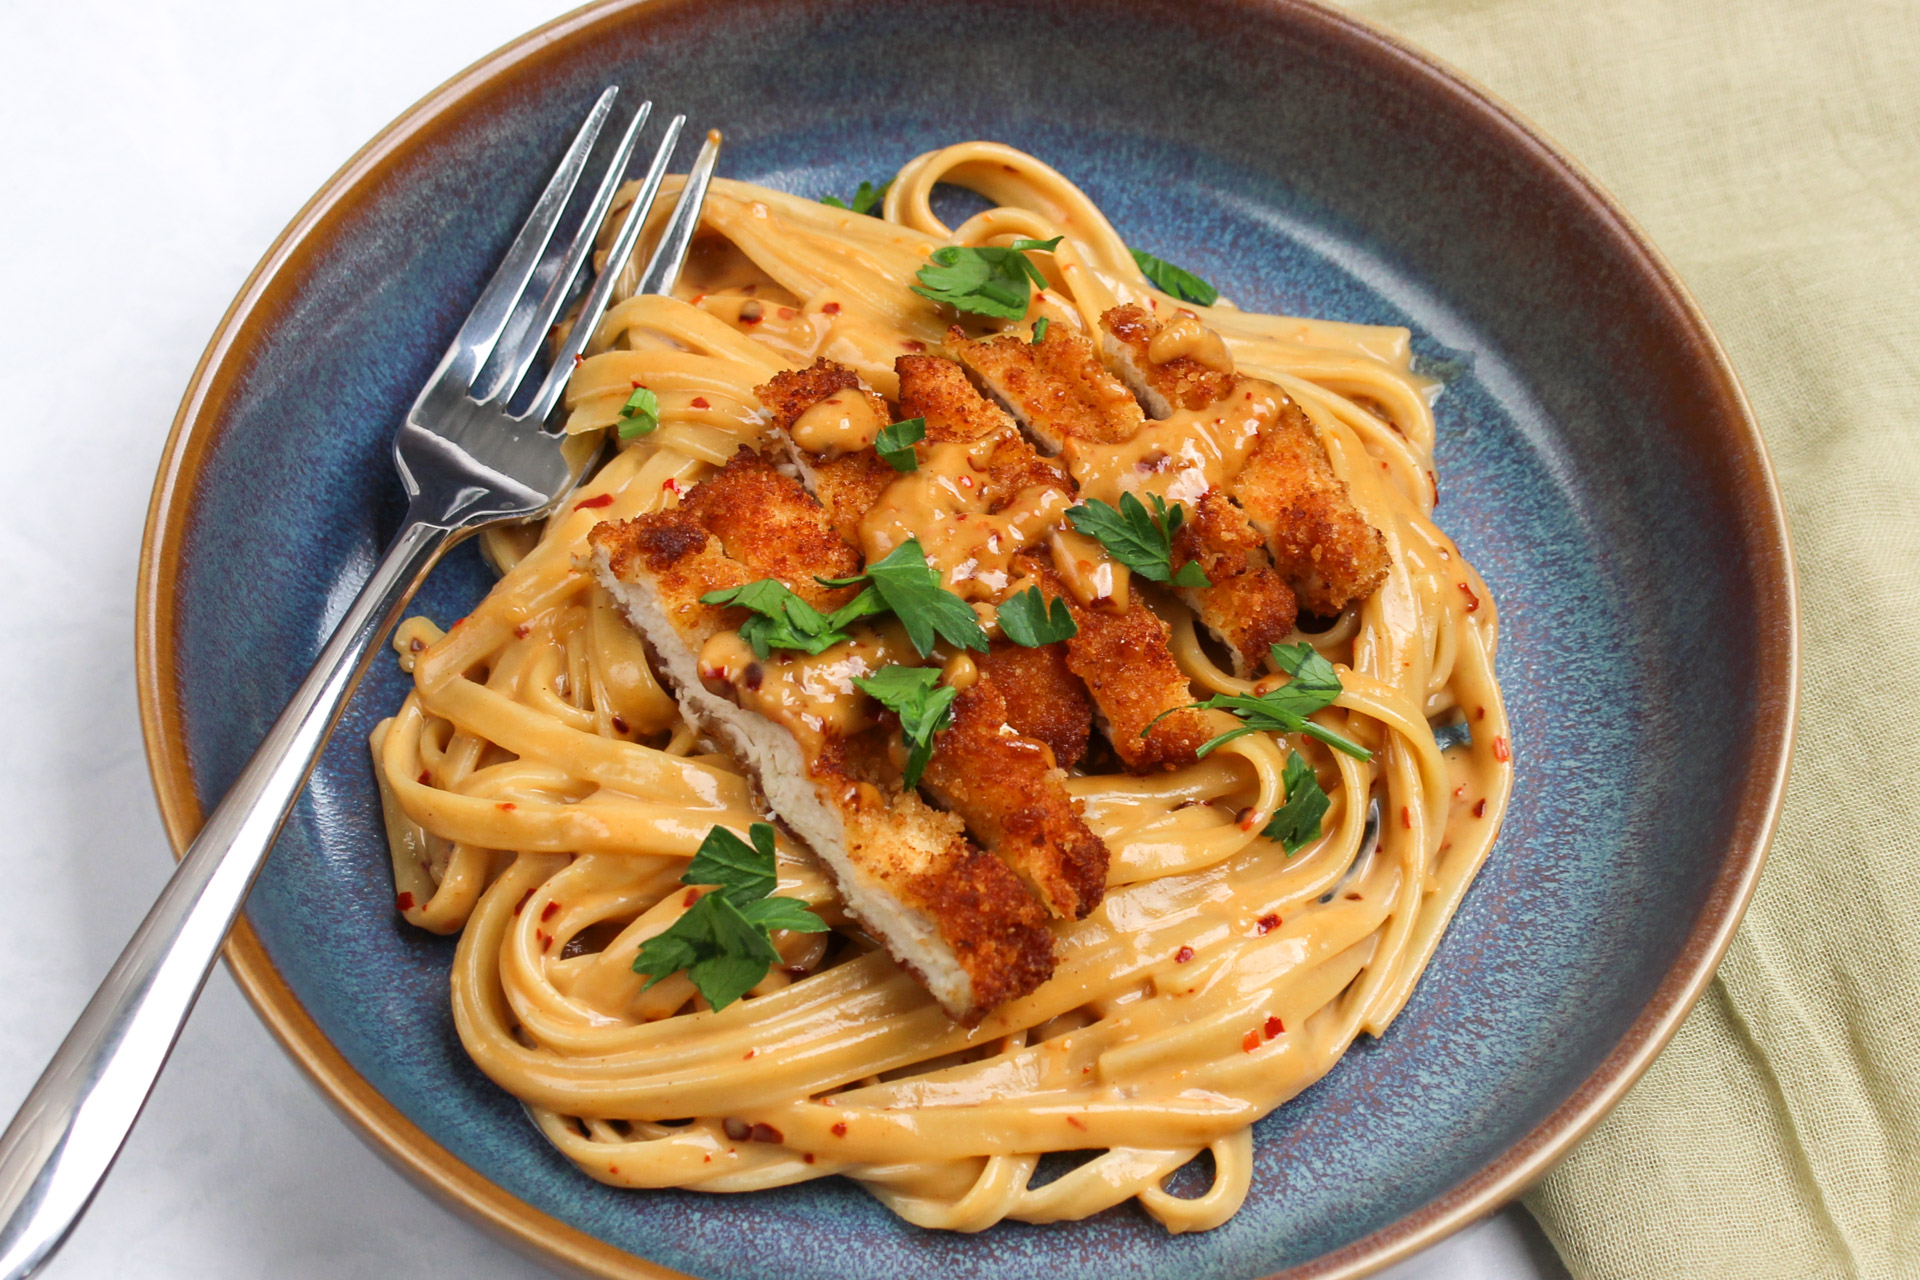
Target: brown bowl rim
542,1236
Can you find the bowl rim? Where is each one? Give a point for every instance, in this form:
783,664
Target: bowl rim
1760,516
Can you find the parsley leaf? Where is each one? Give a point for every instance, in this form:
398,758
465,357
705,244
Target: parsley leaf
639,415
1297,822
1178,281
924,705
743,871
895,443
722,941
1315,685
865,200
911,588
1025,619
988,281
723,952
1139,539
1040,330
782,620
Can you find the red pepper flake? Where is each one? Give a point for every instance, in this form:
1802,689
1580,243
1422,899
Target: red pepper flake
1274,1027
415,645
752,677
914,344
1183,955
426,778
671,486
523,901
545,941
1500,751
1354,897
787,313
1268,923
1479,713
693,896
635,384
505,806
599,500
404,902
522,631
1459,791
549,911
831,308
1244,819
839,1129
1077,1122
808,1157
700,402
706,1159
1250,1041
457,621
1433,482
1480,808
613,1168
751,1053
578,359
1406,816
619,724
765,1133
1473,601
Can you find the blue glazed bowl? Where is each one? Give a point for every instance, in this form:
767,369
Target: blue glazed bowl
1596,462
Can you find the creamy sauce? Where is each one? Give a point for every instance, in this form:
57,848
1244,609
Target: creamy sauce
1182,456
1186,336
941,503
1090,573
840,424
812,695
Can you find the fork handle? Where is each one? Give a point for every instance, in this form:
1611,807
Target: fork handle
71,1126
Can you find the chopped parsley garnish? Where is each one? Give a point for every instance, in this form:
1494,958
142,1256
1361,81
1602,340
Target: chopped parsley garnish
988,281
1140,539
1178,281
1297,822
865,200
782,620
1448,736
639,415
723,942
1315,684
924,705
1025,620
1040,330
910,587
895,444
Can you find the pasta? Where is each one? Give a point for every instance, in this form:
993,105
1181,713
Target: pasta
543,796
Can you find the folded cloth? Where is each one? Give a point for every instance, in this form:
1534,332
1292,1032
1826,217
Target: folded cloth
1771,148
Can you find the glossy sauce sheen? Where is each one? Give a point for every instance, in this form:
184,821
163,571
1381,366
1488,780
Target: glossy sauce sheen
1182,456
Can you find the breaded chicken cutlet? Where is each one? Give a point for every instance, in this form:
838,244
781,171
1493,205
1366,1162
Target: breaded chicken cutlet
1006,787
1070,405
954,916
1319,542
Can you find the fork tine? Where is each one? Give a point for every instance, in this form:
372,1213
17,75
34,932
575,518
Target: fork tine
663,270
525,338
596,304
476,339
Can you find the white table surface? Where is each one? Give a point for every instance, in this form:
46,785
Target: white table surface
153,150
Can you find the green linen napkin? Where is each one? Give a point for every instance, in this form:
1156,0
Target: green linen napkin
1771,149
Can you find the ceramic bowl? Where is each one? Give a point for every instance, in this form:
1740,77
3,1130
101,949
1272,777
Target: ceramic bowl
1596,462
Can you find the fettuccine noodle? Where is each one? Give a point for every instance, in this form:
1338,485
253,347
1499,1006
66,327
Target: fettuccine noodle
543,795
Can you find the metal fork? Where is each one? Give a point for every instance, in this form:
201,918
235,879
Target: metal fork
467,460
